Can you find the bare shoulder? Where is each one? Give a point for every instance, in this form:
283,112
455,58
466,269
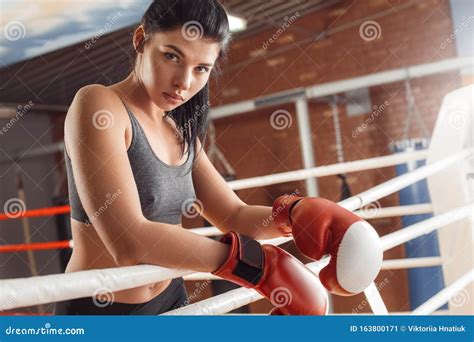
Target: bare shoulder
94,98
95,109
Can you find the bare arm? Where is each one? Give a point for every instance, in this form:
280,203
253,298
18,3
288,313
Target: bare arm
95,139
186,250
256,221
224,209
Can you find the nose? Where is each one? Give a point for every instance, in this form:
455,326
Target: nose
183,79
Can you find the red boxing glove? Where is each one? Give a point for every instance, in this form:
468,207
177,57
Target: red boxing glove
321,227
275,274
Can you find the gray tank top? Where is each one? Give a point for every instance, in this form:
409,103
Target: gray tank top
166,192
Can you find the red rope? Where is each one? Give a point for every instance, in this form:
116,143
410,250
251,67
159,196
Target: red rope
37,246
62,209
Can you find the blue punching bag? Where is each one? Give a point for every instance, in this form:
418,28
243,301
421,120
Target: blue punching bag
424,282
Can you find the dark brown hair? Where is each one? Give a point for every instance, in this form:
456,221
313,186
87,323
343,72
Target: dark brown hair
196,18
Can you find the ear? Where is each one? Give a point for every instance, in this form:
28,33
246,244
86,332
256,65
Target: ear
139,37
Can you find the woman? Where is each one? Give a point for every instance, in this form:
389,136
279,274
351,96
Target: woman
134,160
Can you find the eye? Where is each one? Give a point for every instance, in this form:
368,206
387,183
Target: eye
202,69
171,56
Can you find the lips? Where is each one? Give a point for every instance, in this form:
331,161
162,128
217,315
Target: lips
175,96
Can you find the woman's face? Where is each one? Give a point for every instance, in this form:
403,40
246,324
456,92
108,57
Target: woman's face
174,68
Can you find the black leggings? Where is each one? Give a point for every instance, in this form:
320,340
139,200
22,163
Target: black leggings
174,296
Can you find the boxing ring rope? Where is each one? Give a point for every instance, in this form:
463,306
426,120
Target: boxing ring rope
207,306
371,213
391,264
402,210
319,171
444,295
63,209
394,264
397,183
36,246
368,214
328,170
21,292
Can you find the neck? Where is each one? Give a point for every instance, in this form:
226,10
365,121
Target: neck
133,91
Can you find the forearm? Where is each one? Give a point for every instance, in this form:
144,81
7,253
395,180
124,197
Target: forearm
174,247
255,221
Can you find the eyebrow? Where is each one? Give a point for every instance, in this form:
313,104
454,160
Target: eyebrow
178,50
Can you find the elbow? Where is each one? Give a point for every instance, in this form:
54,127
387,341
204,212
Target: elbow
232,223
124,256
124,259
125,251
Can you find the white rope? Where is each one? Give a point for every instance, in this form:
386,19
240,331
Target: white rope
233,299
397,183
402,210
406,234
444,295
374,298
391,264
22,292
328,170
220,304
371,293
52,288
369,213
400,182
425,226
395,264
